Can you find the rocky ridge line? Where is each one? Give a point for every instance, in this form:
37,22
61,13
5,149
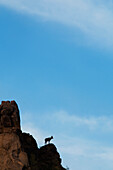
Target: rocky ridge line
18,150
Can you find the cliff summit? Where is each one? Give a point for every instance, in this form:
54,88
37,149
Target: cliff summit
18,150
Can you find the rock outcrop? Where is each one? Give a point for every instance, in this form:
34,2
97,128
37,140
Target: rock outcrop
9,117
49,158
19,151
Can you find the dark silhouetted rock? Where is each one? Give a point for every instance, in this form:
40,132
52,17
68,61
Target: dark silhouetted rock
19,151
49,158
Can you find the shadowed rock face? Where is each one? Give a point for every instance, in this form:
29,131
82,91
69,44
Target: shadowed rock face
49,158
19,151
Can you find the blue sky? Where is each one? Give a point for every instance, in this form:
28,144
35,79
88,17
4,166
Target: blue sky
57,63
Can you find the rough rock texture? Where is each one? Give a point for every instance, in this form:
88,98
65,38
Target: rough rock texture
19,151
12,157
9,117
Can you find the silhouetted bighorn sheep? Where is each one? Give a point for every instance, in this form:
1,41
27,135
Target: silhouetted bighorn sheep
48,139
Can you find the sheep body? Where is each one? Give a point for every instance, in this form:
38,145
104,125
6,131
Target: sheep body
48,139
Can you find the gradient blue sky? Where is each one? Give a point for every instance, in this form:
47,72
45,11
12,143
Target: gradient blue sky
56,61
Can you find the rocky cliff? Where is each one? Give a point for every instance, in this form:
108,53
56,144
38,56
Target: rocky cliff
18,150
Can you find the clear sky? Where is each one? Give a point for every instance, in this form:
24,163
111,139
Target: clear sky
56,61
